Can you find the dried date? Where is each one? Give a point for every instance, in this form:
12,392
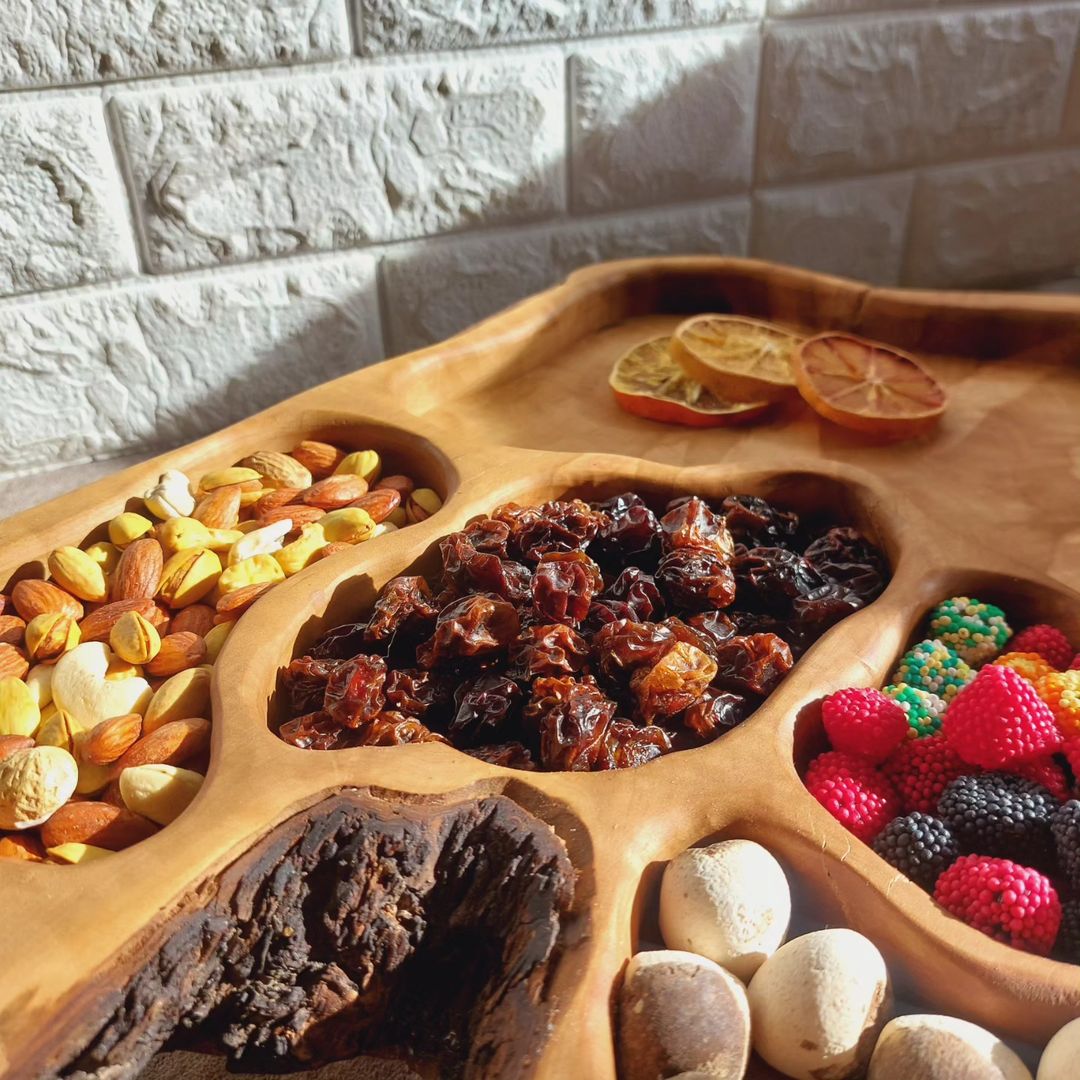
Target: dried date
622,647
769,579
678,679
549,649
631,534
405,604
473,626
691,524
558,527
416,692
318,731
304,681
340,643
354,692
756,523
487,709
696,579
511,755
846,557
564,584
755,663
639,591
626,746
393,729
570,718
715,712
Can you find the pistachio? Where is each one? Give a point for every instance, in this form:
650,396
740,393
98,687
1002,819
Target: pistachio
365,463
73,852
50,635
170,497
160,792
181,696
58,729
34,784
76,573
181,533
251,571
223,539
350,525
19,711
294,557
126,528
215,640
106,555
135,639
421,504
228,478
188,576
39,683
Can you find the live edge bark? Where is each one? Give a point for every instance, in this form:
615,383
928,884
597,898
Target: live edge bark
354,927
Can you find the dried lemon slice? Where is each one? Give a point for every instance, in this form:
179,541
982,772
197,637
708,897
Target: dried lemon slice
737,359
647,382
867,386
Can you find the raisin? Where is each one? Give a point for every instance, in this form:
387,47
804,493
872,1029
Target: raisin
317,731
465,570
769,579
678,679
631,534
415,692
824,607
404,604
304,681
692,524
486,709
602,612
570,716
626,746
755,523
622,647
564,585
472,626
696,579
548,649
683,631
354,692
558,527
340,643
846,557
755,663
714,627
488,536
511,755
717,711
393,729
640,591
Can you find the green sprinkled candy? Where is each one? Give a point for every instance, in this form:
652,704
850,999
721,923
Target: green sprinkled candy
933,666
922,708
976,631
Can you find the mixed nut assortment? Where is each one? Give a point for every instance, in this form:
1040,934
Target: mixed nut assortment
729,983
585,636
964,773
105,666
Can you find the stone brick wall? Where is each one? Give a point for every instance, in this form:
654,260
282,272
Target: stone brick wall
206,205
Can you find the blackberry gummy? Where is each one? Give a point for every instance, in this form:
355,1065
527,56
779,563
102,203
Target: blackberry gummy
919,846
1001,815
1066,829
1068,939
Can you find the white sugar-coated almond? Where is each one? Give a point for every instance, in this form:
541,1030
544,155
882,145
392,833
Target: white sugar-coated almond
935,1047
729,901
1061,1058
681,1013
818,1003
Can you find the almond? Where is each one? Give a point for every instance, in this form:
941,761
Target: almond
138,573
32,597
22,845
97,823
110,739
379,504
12,629
403,485
335,491
273,499
178,651
278,470
299,515
13,662
319,458
10,743
234,603
220,508
171,744
332,549
196,618
98,625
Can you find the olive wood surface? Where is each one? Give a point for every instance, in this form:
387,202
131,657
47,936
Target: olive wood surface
518,408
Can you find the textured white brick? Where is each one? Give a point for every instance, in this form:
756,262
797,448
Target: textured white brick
434,290
791,8
150,365
238,171
995,222
399,26
865,94
663,121
50,42
854,227
62,217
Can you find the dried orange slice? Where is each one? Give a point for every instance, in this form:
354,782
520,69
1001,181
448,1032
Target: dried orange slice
737,359
647,382
867,386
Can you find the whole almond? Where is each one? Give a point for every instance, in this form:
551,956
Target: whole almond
13,662
138,573
403,485
12,629
335,491
178,652
220,508
98,625
298,515
195,618
110,739
332,549
97,823
319,458
278,470
273,499
10,743
24,845
234,603
379,504
171,744
32,597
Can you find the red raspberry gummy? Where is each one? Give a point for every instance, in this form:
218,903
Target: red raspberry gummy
859,796
1046,640
921,769
864,722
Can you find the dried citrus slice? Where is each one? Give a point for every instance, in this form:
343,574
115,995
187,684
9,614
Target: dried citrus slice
647,382
737,359
867,386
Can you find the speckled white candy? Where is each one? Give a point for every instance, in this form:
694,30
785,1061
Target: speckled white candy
1061,1058
942,1048
729,901
817,1004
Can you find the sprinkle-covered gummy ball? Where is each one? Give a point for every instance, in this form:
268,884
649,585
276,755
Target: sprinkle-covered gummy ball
921,769
1046,640
1061,691
919,846
859,796
975,630
864,722
922,709
933,666
1029,664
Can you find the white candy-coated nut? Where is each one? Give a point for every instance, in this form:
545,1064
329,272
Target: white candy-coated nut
34,784
728,901
263,541
160,792
80,686
39,683
1059,1059
19,712
171,496
930,1045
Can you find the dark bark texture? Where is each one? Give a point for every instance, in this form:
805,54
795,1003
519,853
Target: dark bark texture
354,927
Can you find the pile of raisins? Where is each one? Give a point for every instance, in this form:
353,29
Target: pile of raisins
585,636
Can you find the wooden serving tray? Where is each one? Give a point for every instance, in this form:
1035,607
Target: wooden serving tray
518,408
